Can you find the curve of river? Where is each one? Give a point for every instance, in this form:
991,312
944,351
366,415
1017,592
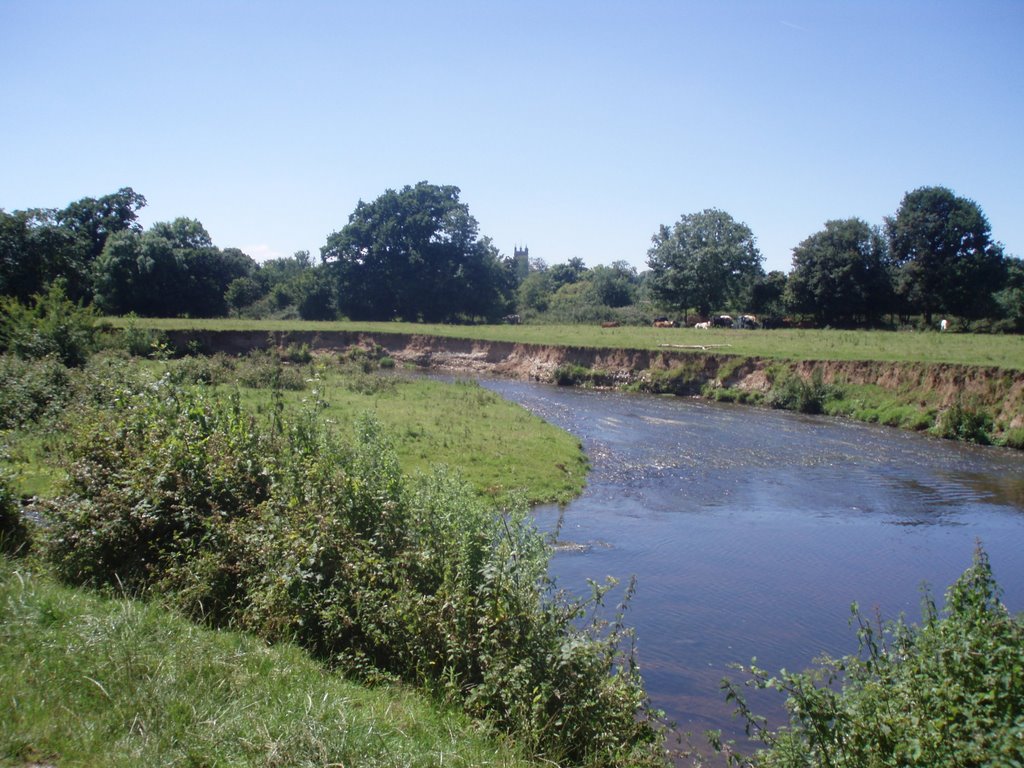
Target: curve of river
751,531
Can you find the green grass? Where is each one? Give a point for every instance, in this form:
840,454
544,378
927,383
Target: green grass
93,681
1001,351
500,448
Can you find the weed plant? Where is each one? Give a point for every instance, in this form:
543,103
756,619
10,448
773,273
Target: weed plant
949,692
962,423
290,531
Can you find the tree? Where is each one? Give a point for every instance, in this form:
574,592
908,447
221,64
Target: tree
766,296
615,285
1011,298
171,269
704,261
416,254
34,251
95,220
841,274
943,249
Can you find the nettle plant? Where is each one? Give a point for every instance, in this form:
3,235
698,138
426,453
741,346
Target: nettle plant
949,692
281,527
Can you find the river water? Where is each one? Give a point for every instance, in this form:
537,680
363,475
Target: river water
751,531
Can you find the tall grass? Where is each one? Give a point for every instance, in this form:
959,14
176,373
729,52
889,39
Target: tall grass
97,681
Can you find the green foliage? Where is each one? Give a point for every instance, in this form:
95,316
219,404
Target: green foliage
118,683
52,325
416,254
1014,438
794,393
841,275
573,375
288,531
949,692
943,247
31,389
14,534
705,260
962,423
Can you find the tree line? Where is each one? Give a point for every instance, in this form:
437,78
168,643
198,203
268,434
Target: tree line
417,254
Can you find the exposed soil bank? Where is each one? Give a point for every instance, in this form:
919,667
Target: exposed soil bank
999,392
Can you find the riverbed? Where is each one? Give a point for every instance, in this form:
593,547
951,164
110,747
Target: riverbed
750,531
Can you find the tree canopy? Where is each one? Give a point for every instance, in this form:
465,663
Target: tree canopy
704,261
841,274
942,246
416,254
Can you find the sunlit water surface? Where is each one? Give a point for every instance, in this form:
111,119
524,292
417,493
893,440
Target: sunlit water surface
750,531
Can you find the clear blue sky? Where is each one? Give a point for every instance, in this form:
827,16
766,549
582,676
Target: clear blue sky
573,127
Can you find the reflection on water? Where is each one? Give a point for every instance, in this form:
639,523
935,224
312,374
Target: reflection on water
752,531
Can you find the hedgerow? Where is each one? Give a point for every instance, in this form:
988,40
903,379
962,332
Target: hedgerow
286,529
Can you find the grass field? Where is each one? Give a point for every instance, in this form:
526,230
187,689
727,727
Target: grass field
1001,351
95,681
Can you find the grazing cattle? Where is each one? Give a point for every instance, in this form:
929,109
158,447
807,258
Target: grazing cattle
511,319
664,322
943,324
747,321
723,321
610,324
703,326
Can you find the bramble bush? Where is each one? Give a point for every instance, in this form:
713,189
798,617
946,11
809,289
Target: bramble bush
52,326
289,531
949,692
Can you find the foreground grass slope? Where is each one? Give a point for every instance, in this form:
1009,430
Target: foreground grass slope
999,351
95,681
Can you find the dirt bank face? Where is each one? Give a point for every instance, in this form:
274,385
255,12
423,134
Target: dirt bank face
998,391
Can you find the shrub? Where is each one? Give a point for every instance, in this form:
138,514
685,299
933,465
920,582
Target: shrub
14,535
946,693
293,533
53,326
1014,438
31,389
138,341
960,423
793,393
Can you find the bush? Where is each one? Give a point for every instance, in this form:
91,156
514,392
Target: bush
31,389
793,393
138,341
14,535
53,326
288,531
960,423
948,693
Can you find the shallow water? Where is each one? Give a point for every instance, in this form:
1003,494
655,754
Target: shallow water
751,531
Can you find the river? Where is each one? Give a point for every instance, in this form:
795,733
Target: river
751,531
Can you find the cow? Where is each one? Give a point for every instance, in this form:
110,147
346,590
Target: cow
723,321
747,321
610,324
663,322
703,326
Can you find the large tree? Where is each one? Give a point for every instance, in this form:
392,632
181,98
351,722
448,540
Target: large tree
416,254
942,245
841,274
704,261
171,269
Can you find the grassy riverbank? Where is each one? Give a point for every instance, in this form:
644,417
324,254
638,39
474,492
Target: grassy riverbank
999,351
100,681
267,494
498,447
